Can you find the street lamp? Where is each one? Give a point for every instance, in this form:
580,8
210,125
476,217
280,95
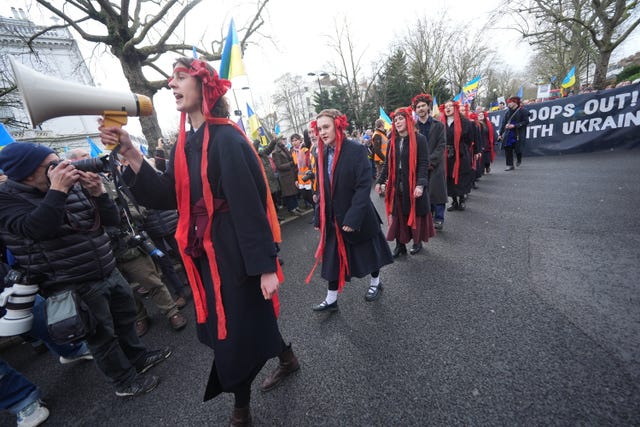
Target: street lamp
317,76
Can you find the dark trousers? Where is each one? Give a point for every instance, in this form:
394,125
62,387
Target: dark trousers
508,154
115,345
438,211
166,266
290,202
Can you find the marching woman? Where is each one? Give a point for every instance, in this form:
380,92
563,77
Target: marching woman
458,153
405,180
476,149
351,241
227,232
487,135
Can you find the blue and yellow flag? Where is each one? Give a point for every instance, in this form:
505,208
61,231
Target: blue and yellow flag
95,150
231,63
570,78
520,92
471,85
256,131
5,137
435,111
386,119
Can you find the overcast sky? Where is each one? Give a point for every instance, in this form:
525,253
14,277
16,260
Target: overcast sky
299,31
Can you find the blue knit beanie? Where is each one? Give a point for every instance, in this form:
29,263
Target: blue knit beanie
20,160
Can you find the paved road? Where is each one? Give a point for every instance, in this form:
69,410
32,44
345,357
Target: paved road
524,311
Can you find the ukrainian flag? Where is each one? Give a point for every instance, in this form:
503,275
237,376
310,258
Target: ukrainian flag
231,63
471,85
5,137
387,119
570,78
95,150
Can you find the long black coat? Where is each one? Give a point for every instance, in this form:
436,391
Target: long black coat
466,173
436,140
520,119
244,249
350,204
402,185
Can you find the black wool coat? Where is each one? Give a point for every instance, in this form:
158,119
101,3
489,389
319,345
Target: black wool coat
244,249
402,187
349,202
466,173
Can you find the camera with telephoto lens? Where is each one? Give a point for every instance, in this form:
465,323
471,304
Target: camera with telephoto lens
143,241
308,176
18,298
94,164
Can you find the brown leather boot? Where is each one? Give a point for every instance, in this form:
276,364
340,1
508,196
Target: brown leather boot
288,364
241,417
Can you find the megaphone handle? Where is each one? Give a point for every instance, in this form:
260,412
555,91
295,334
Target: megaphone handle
114,118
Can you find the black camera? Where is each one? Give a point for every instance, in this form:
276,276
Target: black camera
308,176
143,241
95,164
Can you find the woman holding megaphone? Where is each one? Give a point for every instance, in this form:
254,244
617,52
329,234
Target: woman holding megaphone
227,232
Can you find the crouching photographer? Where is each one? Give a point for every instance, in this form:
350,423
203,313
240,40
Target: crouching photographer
52,220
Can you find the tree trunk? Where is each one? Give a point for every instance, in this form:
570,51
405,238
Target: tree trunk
600,74
150,127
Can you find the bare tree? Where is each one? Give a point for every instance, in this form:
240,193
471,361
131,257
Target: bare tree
426,49
138,33
293,98
607,23
350,74
466,60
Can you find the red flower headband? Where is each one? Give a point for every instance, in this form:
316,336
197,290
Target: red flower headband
339,122
213,87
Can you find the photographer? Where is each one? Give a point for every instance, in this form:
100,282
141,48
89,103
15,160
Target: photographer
138,267
52,220
132,260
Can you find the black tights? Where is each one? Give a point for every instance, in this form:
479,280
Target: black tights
242,396
333,284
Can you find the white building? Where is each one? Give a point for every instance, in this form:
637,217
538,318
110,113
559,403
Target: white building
55,54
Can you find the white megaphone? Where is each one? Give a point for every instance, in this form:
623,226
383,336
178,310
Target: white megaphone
46,97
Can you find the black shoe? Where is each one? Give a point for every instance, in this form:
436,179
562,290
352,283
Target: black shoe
399,250
152,358
438,225
142,384
415,249
462,205
510,168
373,293
453,207
324,306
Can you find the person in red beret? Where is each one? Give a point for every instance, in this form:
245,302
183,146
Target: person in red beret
513,131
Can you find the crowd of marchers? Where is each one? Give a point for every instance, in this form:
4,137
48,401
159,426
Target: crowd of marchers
203,227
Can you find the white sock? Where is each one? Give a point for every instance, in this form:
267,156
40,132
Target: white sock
375,281
332,296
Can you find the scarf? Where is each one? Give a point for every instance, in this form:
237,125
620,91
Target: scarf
457,133
489,125
340,124
393,160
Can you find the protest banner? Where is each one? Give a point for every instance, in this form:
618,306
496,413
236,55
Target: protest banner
582,123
